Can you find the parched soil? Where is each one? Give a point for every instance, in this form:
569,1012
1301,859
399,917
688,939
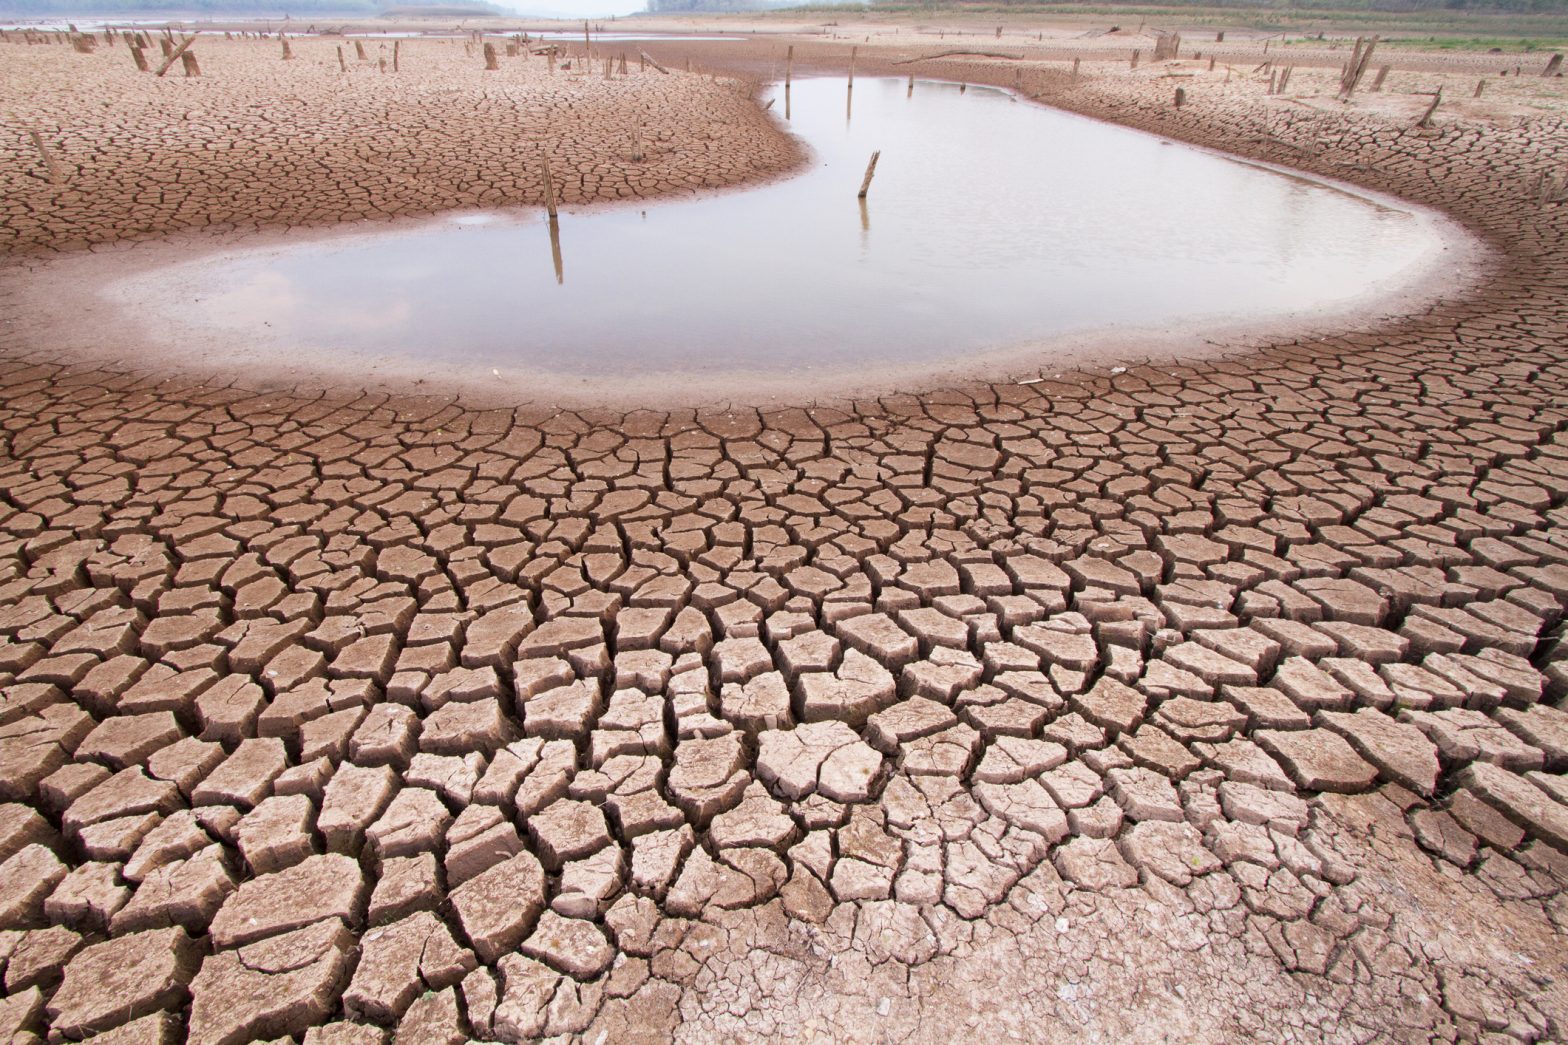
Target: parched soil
260,142
1210,702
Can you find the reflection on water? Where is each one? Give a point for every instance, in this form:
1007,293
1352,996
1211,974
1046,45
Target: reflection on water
997,224
555,250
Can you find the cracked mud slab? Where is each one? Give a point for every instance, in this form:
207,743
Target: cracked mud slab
1212,702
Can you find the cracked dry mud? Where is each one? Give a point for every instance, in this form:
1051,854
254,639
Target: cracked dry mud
1203,702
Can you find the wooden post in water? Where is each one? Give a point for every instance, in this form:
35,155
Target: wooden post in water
911,92
47,157
789,64
852,51
189,60
491,65
359,50
871,170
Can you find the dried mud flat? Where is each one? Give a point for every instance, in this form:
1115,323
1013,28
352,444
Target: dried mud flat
1210,702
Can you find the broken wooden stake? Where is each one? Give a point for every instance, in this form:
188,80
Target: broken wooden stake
1135,59
549,190
359,50
1357,68
1075,68
342,65
1181,96
288,53
140,58
491,65
659,67
1553,65
1382,74
789,64
175,54
1426,118
1480,86
871,170
852,51
188,59
47,157
397,46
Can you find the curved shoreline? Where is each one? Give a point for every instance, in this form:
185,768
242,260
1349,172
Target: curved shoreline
1458,272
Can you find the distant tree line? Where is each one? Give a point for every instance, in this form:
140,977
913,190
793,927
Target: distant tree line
1480,6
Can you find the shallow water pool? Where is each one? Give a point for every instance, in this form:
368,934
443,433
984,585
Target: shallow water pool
991,225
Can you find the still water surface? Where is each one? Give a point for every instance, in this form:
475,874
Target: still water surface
990,224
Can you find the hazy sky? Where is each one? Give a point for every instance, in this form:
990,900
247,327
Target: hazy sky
576,8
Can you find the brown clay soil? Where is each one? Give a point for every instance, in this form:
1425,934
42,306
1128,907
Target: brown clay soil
1212,702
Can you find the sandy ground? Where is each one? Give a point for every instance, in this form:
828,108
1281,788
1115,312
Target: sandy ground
1209,702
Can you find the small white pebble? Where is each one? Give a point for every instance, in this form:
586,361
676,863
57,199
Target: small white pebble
883,1006
1061,925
